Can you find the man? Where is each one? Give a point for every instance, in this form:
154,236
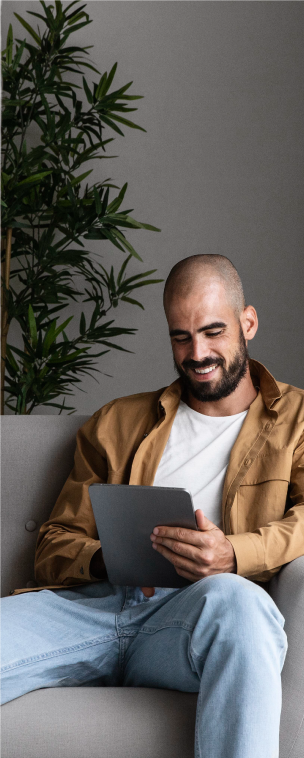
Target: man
232,436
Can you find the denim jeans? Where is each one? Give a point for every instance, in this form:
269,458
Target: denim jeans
222,637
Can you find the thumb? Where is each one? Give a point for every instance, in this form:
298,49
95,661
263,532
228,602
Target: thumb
203,523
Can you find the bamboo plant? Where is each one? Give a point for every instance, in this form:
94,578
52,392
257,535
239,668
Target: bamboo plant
52,131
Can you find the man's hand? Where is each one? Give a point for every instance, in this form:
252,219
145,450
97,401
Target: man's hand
195,555
148,591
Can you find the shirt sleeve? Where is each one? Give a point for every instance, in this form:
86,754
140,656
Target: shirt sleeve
69,539
260,554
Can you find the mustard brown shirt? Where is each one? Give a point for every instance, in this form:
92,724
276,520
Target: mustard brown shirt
263,494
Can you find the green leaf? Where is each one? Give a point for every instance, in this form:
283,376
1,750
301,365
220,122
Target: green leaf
101,85
115,204
9,45
97,202
110,123
33,179
130,300
29,29
122,270
87,91
62,326
126,244
82,325
145,283
11,359
18,55
33,326
105,83
127,122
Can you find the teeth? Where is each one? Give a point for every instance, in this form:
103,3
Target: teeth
204,370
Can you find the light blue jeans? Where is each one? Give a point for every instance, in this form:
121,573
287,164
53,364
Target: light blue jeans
222,637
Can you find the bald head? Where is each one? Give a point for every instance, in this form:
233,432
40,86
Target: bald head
197,270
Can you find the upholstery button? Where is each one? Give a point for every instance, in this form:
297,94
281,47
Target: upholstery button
30,526
247,461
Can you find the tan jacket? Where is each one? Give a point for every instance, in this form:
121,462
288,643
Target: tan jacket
263,494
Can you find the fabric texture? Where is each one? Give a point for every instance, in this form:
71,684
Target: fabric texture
287,590
37,456
196,457
213,637
95,722
263,493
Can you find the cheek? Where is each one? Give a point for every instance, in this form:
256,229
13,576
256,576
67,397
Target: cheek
180,352
177,352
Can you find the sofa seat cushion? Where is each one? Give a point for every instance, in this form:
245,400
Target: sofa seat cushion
95,722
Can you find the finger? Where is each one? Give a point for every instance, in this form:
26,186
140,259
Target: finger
178,533
201,540
181,548
203,522
180,562
148,591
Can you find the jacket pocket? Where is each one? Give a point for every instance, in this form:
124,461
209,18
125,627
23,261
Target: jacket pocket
262,496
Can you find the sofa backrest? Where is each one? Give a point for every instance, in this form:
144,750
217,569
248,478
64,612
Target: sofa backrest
37,457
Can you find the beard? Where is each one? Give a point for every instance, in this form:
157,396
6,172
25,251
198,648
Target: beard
231,376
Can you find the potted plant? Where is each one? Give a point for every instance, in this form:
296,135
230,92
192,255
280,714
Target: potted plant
53,129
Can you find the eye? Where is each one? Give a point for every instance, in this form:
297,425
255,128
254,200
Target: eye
183,339
214,334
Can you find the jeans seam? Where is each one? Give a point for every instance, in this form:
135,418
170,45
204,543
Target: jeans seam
167,625
60,651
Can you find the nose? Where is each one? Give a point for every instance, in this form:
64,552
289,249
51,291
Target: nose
199,349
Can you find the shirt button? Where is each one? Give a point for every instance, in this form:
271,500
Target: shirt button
247,462
268,426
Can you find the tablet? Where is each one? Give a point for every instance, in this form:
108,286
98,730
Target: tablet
125,516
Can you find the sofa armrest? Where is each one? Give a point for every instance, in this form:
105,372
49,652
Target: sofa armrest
287,591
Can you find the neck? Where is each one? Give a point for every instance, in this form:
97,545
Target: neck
237,402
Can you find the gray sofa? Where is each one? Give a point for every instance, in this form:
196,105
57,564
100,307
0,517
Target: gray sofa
91,722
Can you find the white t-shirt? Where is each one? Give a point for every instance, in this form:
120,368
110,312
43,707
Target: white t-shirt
196,457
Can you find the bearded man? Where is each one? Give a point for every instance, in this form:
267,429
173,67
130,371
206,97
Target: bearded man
231,435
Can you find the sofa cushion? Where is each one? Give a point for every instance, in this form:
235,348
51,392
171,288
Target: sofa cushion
95,722
37,456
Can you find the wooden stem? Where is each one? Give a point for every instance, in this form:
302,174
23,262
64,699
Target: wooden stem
6,244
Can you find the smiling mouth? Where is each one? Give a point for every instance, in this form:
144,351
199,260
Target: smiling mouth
205,370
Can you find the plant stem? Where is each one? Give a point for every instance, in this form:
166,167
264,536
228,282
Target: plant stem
5,271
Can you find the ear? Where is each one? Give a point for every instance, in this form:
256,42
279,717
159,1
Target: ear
249,322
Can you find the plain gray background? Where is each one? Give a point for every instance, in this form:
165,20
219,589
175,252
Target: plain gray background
220,169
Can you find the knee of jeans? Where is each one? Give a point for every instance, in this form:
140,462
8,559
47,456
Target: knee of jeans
242,599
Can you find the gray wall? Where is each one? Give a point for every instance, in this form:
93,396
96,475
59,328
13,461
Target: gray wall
220,169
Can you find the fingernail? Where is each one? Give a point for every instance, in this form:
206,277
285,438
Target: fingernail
156,530
152,537
154,545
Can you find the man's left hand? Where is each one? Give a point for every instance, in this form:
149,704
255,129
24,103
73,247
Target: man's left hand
195,555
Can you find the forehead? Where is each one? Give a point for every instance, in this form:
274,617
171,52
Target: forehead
206,302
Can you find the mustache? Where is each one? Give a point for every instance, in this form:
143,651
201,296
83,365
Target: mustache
202,364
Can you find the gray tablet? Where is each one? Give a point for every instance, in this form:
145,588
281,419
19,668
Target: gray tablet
125,516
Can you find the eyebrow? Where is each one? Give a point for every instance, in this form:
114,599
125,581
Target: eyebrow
214,325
